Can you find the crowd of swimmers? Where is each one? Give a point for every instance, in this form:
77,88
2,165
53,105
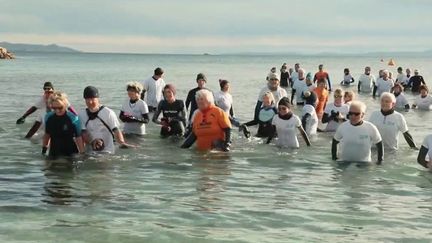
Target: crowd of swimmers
207,118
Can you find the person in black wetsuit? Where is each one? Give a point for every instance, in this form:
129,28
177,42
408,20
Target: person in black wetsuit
174,113
62,129
416,81
190,100
264,118
284,77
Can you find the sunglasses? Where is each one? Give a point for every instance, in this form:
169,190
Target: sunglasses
57,108
354,113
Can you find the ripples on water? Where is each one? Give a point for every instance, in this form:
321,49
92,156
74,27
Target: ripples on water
160,193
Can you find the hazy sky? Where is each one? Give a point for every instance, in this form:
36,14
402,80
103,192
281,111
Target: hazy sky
220,26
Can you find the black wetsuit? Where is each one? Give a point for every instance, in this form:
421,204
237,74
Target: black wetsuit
284,79
415,82
174,114
62,130
265,128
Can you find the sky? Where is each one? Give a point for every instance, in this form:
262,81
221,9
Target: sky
220,26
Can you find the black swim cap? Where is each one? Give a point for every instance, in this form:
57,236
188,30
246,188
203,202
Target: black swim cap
91,92
48,85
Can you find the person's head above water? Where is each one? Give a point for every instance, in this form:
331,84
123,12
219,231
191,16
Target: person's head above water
204,99
58,103
224,85
91,96
388,101
301,73
158,73
169,92
201,80
367,70
134,90
424,90
321,67
346,71
268,98
284,106
273,82
310,98
356,112
296,66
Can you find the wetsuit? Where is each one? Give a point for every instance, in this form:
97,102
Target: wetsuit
191,100
62,131
415,82
174,117
264,121
284,79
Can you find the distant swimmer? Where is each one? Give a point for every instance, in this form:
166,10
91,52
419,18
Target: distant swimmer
285,125
153,86
390,123
348,78
335,113
211,128
62,129
321,74
134,112
264,118
423,100
173,121
425,154
99,124
356,137
366,81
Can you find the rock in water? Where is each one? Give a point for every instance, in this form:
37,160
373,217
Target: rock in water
5,54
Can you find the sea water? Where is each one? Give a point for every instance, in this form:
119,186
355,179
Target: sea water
161,193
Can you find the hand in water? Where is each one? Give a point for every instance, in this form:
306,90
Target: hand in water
21,120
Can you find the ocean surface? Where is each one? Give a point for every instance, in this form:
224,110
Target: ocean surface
161,193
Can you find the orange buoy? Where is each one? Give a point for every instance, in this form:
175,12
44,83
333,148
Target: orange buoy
391,62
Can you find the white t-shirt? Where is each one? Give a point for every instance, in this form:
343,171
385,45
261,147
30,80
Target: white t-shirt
347,80
300,86
366,82
401,79
356,141
427,143
41,103
343,109
153,93
223,100
287,131
423,103
136,109
311,121
389,127
97,130
401,101
294,76
277,94
384,86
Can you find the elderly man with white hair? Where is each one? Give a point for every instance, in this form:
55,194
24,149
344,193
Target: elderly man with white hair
383,84
356,137
273,85
211,127
390,122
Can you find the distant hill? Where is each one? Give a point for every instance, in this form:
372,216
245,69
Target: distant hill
15,47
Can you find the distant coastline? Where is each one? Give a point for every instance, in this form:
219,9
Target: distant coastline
20,47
